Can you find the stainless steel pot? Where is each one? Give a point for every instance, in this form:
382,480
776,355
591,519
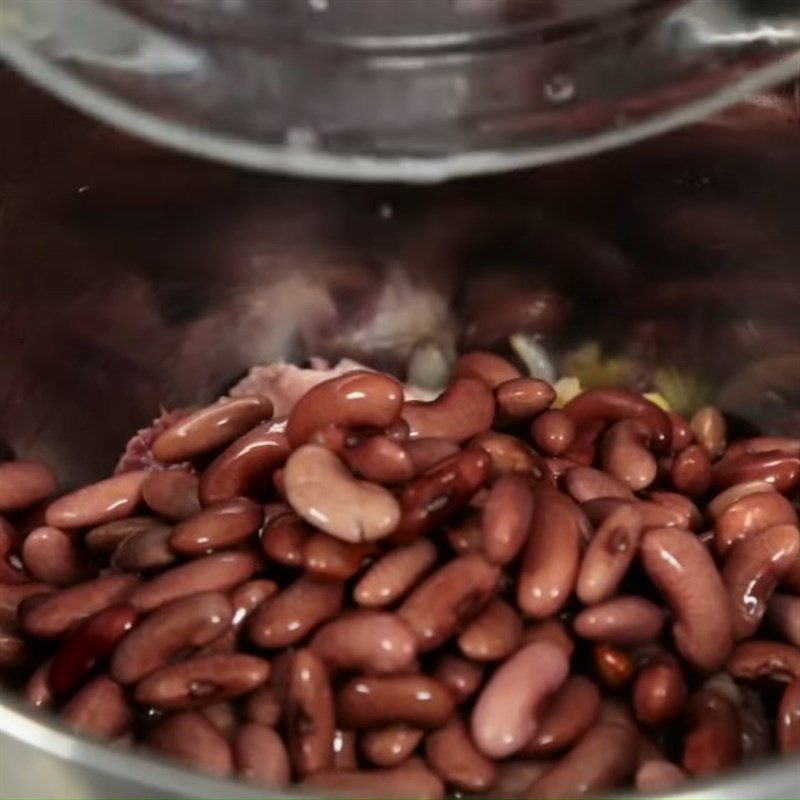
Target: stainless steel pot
131,278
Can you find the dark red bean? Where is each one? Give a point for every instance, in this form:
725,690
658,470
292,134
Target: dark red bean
145,550
691,471
713,741
553,432
659,693
788,719
487,367
776,468
521,399
284,537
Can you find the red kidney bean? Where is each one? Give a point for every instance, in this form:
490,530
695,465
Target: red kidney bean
217,526
104,539
211,428
447,600
89,645
263,706
105,501
553,432
604,757
783,616
189,622
38,692
283,538
466,536
774,467
626,456
223,716
487,367
293,613
713,741
332,437
309,713
609,555
368,641
260,756
552,555
345,755
682,505
432,498
242,469
172,493
791,579
62,610
508,710
189,737
521,399
464,410
571,711
359,399
147,549
585,484
733,494
753,570
25,483
461,676
494,634
391,746
323,491
659,776
509,454
215,573
515,776
394,574
659,693
99,709
332,559
398,782
750,514
377,701
454,758
709,427
613,666
654,515
691,471
759,658
584,447
51,556
682,569
612,405
14,653
550,630
200,680
427,453
381,460
682,433
764,444
506,519
13,594
623,621
788,719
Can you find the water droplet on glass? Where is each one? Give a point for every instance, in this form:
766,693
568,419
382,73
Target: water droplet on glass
559,89
301,139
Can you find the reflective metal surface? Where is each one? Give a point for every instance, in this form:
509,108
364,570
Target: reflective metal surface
131,278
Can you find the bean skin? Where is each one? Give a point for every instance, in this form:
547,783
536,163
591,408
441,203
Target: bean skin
25,483
659,693
454,758
682,569
52,556
189,737
758,658
263,706
487,367
493,635
521,399
788,719
553,631
284,537
682,505
105,538
625,454
691,471
113,498
734,493
622,621
750,514
145,550
391,746
38,693
713,741
776,468
172,494
682,434
427,453
381,460
399,782
711,430
461,676
783,616
217,526
509,454
553,432
345,755
506,519
613,666
12,596
328,558
99,709
394,574
260,756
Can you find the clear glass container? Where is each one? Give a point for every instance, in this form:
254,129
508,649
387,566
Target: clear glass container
416,90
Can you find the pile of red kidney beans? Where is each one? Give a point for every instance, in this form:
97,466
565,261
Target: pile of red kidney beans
480,595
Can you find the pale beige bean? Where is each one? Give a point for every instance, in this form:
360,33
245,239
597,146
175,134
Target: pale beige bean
506,518
585,484
292,614
367,641
461,676
494,634
260,756
214,573
189,737
609,555
59,612
309,713
172,494
52,556
113,498
391,746
399,782
210,428
734,493
711,430
217,526
625,621
99,709
147,549
395,574
324,492
189,622
25,483
378,701
447,600
507,713
454,758
200,680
